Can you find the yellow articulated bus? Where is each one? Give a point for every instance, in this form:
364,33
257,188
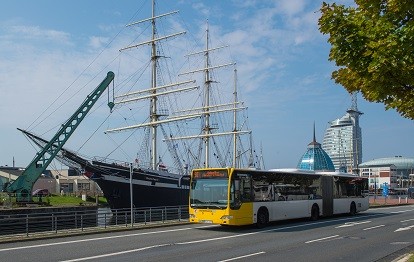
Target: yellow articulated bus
231,196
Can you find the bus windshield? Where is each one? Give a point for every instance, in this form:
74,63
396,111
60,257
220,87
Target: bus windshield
209,193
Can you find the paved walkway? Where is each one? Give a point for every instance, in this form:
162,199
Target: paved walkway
380,200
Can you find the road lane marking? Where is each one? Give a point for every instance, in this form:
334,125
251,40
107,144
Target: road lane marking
400,243
402,211
321,239
369,228
407,220
404,228
100,238
351,224
114,254
235,258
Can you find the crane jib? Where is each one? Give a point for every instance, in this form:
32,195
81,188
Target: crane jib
23,185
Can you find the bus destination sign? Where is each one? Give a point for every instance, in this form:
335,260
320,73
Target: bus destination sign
210,174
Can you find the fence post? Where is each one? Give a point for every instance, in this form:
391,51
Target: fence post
179,213
165,214
53,220
82,222
105,221
27,225
145,217
56,227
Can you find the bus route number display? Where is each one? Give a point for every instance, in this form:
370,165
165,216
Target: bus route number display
211,174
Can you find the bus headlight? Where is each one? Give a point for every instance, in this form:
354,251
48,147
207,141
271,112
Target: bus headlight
192,216
226,217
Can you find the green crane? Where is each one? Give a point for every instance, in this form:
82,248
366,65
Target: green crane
23,185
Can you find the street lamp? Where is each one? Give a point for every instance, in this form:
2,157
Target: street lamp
130,193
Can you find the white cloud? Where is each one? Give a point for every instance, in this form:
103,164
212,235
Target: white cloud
97,42
35,32
290,7
202,8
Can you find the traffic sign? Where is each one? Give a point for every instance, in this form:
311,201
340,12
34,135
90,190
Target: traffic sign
385,189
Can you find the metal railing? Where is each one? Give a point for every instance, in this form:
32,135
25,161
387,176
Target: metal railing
26,225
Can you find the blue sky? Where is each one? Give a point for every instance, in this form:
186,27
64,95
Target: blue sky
47,47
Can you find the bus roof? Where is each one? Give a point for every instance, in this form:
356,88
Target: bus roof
290,171
312,172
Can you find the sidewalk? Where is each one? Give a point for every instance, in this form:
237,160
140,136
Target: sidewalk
381,201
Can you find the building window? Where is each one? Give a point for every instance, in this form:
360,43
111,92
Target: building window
84,186
66,187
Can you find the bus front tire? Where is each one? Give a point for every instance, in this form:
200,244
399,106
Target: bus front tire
315,212
262,218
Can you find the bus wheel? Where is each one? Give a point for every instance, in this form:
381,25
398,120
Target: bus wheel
352,209
315,212
262,218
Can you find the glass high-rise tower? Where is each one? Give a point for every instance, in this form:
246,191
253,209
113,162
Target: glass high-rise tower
343,140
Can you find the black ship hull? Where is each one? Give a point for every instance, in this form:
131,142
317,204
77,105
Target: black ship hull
150,188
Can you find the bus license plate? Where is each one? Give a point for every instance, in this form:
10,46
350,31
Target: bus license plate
206,221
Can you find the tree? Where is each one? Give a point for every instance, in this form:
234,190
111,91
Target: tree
373,46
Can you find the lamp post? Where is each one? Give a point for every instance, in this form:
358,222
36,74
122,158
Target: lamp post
375,188
130,193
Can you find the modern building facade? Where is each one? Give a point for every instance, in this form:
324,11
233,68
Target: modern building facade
397,172
343,140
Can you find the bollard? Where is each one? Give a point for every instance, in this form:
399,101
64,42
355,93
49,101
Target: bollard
399,200
406,200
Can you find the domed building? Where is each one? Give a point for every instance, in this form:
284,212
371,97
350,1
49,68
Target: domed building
315,158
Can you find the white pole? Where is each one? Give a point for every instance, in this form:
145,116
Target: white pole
131,194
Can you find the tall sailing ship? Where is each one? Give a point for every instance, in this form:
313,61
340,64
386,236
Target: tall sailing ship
146,180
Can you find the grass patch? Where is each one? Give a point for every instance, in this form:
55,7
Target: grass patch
72,200
56,200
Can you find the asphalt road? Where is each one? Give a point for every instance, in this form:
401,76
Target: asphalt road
379,234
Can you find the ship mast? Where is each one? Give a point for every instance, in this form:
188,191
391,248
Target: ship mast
235,121
153,100
207,84
207,109
154,116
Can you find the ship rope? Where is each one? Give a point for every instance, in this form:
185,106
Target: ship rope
143,154
172,148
